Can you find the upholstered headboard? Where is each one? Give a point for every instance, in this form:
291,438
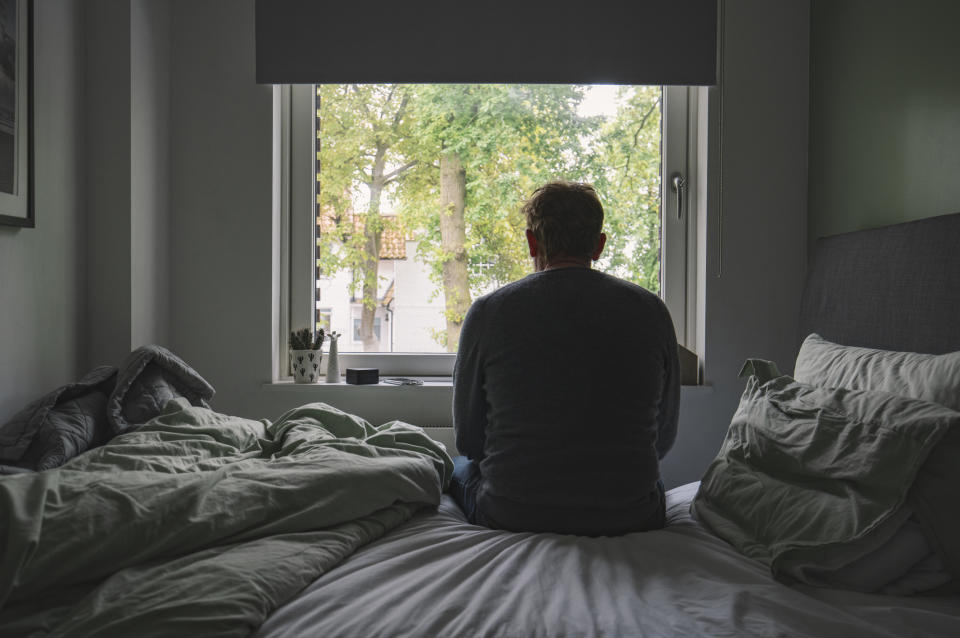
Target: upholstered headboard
895,288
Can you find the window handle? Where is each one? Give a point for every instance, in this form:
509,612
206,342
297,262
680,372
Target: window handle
678,184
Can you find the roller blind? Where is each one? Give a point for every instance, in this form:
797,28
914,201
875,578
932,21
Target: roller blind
601,41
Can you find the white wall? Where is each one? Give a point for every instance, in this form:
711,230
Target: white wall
106,77
127,159
90,282
419,306
416,310
221,197
42,270
221,225
149,172
758,184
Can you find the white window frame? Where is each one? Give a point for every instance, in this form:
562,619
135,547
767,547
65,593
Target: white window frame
295,132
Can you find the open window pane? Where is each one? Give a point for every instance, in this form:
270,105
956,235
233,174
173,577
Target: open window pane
418,189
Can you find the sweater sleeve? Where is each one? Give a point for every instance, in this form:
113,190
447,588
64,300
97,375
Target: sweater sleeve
669,411
469,397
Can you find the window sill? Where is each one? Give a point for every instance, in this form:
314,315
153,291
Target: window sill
429,384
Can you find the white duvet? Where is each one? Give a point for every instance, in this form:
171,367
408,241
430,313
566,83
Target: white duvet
437,575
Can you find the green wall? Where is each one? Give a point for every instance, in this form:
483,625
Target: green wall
884,112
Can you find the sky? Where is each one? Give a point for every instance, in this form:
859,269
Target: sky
599,99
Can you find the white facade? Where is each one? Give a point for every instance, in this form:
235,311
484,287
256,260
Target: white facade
408,316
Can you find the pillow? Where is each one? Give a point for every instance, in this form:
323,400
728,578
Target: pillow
927,377
809,480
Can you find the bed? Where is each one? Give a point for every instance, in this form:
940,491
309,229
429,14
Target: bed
369,546
439,576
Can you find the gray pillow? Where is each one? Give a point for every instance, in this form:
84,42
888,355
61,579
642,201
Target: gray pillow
811,479
928,377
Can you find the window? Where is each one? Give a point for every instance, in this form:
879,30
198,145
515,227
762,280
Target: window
357,336
370,167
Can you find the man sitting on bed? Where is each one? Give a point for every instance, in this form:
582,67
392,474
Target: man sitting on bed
566,387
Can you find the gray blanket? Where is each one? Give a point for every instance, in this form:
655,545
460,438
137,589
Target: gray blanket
199,523
105,402
149,377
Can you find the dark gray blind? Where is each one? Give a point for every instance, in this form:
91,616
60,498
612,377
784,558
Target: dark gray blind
583,42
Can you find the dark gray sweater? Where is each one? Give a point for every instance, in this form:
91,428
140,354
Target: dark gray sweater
566,391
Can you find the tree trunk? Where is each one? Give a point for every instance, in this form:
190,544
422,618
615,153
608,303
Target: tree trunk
453,239
369,268
372,234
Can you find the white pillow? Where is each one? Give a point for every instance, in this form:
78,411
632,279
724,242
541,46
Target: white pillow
909,374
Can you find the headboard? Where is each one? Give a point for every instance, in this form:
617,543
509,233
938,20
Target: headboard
894,288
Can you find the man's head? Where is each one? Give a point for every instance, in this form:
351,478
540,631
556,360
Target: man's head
564,222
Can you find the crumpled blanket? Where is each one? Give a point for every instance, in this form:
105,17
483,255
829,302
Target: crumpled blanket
149,377
59,425
200,524
108,400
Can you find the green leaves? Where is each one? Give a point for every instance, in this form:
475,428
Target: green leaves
380,148
302,339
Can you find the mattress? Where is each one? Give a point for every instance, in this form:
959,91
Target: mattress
438,575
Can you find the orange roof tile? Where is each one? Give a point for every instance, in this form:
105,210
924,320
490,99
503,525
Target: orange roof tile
393,241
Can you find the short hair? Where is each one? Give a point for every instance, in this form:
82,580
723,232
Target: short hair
566,218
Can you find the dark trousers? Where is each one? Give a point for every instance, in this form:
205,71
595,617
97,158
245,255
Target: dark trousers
464,485
466,481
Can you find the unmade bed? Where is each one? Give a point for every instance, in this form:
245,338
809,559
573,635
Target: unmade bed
894,288
440,576
437,575
319,524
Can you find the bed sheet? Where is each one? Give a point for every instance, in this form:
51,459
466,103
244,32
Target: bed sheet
438,575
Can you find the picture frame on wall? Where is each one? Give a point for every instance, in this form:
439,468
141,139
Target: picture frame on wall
16,113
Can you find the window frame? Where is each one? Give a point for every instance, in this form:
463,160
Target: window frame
295,130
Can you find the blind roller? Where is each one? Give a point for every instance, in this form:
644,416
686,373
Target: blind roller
523,41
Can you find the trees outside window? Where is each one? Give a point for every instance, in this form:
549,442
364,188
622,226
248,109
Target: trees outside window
445,168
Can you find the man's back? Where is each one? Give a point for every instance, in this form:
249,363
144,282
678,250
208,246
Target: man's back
566,391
